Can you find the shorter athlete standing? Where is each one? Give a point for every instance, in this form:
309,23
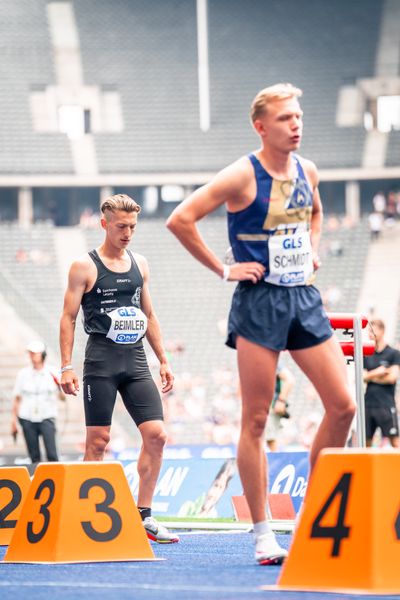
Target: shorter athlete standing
111,285
380,375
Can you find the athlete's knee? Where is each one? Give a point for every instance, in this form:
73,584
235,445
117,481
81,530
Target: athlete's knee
255,424
160,439
97,442
343,412
154,437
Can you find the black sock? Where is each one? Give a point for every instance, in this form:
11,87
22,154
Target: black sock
144,512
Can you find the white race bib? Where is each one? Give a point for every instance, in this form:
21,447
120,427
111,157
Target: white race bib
128,325
290,259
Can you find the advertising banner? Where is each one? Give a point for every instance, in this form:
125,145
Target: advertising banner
191,485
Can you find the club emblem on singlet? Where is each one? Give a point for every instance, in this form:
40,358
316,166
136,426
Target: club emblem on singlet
289,246
128,325
136,297
297,199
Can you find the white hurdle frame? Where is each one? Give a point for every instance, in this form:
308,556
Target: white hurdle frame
353,324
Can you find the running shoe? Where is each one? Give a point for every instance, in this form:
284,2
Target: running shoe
268,551
158,533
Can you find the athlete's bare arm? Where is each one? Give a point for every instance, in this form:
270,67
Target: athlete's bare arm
287,383
317,215
234,186
78,280
153,333
14,415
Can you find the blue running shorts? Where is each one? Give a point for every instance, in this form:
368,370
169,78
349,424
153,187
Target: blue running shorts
278,317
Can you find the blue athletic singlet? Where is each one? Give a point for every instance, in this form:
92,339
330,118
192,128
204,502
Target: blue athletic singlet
282,311
275,228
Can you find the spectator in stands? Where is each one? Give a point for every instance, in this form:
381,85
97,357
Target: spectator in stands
398,205
39,257
89,219
335,248
274,219
379,203
111,284
332,223
331,297
309,426
375,220
36,392
391,206
21,255
381,374
279,406
222,430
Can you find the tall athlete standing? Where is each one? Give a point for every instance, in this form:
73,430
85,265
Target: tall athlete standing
111,284
274,223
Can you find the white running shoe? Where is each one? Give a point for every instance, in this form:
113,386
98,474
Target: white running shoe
268,551
158,533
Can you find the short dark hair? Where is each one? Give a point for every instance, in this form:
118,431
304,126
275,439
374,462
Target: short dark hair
378,323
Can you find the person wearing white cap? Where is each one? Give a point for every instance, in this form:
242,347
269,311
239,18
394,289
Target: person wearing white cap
36,392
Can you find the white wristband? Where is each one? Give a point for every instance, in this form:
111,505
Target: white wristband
67,368
226,273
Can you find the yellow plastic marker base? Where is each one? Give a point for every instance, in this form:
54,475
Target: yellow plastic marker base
348,538
79,512
14,484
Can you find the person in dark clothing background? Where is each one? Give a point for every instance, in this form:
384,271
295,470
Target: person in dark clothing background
381,371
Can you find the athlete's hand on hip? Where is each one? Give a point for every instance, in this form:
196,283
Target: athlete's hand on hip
70,383
167,378
246,271
316,261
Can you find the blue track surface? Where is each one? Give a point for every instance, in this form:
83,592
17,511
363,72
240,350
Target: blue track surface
200,566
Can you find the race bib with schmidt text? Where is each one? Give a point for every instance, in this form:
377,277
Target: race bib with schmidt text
128,325
290,259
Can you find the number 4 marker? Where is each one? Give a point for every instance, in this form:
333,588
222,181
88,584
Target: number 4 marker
348,536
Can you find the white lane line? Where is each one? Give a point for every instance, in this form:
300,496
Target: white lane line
129,586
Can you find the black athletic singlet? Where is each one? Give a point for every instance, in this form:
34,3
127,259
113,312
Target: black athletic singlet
115,359
109,307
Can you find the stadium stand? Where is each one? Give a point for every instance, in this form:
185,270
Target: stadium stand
137,53
256,48
393,152
26,66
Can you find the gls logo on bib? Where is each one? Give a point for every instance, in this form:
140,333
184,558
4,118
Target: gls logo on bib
128,325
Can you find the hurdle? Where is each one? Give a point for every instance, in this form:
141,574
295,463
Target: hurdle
352,324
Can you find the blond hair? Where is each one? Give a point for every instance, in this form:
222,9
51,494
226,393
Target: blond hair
279,91
119,202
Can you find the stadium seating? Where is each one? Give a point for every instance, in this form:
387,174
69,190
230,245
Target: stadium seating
27,66
149,58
